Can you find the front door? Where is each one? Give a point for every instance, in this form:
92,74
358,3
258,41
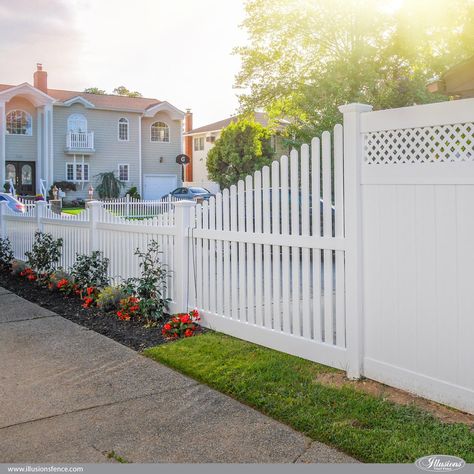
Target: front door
23,175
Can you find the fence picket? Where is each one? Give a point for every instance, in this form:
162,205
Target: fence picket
249,217
306,311
275,212
241,250
316,231
267,276
285,230
295,251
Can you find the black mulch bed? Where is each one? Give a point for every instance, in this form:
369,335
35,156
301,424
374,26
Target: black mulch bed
129,333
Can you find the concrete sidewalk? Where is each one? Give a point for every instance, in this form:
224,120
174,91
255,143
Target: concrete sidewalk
70,395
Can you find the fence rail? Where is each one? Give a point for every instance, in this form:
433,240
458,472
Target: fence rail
139,208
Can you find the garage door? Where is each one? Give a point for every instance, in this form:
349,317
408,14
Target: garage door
157,185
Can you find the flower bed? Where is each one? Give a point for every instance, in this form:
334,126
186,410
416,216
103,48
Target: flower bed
132,313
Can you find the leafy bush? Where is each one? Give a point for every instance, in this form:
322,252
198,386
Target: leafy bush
90,270
133,193
6,254
44,255
109,185
18,266
182,325
243,147
109,298
150,287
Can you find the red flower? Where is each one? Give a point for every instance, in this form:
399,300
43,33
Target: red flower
195,314
167,326
185,318
62,283
90,290
188,333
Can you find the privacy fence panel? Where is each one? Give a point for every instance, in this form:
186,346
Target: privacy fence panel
268,255
417,185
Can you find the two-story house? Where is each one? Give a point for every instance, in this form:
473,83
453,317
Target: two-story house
202,139
51,135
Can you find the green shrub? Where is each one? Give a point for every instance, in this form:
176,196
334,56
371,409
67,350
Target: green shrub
6,254
150,287
133,193
44,255
109,298
90,270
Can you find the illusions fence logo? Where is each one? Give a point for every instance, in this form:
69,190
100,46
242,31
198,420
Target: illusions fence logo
440,463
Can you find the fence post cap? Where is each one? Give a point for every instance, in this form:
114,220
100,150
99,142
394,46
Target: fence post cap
93,204
185,203
355,107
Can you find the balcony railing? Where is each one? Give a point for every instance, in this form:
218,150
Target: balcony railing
81,141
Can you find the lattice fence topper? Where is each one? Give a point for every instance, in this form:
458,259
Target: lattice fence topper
437,144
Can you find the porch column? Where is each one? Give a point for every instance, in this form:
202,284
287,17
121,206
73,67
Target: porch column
47,135
50,174
3,131
39,148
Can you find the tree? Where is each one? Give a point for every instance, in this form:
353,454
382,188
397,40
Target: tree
306,57
94,90
122,90
242,148
109,185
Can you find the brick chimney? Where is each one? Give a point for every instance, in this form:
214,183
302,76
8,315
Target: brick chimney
40,78
188,144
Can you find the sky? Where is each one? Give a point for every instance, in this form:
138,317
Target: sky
174,50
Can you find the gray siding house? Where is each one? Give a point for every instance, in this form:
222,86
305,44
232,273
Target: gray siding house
52,135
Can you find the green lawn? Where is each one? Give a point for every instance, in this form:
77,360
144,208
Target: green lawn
72,210
284,387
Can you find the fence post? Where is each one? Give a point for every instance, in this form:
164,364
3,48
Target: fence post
94,213
40,213
183,270
127,197
3,225
353,155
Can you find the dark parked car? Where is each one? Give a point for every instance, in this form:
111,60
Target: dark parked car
192,193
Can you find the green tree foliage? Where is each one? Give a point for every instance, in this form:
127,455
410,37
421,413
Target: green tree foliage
306,57
122,90
94,90
109,185
242,148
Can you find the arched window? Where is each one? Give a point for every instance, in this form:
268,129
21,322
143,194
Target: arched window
19,123
123,130
77,123
160,132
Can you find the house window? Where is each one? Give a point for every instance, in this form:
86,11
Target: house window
123,172
80,172
19,123
160,132
199,144
77,123
123,130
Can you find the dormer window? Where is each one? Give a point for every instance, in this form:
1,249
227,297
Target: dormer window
19,123
123,130
160,132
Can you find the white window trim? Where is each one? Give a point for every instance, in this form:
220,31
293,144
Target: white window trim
74,172
18,134
169,132
128,130
128,172
198,141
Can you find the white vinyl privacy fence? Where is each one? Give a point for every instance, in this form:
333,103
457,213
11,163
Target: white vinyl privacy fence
356,251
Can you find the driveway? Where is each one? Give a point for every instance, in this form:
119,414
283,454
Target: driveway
70,395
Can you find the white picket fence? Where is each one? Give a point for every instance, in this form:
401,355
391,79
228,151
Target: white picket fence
139,208
355,252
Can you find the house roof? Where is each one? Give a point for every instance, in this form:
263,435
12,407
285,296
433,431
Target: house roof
260,117
106,101
456,81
